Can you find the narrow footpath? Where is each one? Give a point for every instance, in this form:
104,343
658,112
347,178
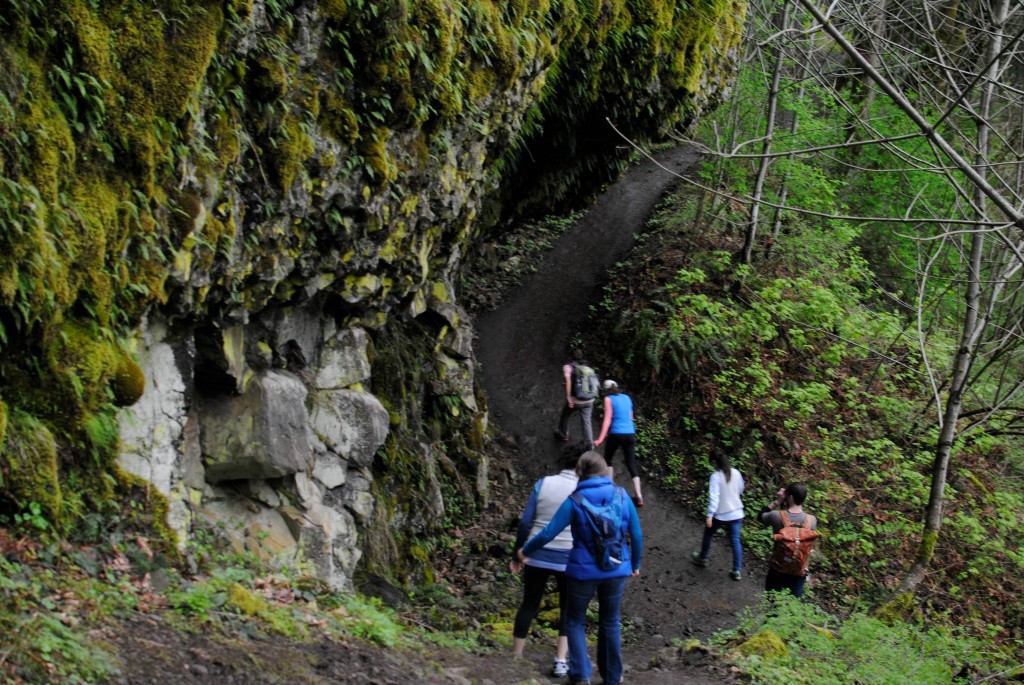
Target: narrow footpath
521,347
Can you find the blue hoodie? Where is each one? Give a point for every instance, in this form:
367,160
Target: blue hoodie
581,562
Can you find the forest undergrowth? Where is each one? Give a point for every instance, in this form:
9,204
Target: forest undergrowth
800,369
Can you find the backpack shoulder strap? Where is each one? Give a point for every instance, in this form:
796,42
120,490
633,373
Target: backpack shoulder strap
784,515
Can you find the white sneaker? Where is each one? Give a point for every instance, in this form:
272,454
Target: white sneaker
560,668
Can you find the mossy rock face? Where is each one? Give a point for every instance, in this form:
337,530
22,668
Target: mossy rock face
29,465
197,163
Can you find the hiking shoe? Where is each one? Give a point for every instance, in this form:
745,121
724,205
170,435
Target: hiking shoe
560,436
698,559
559,668
638,502
735,575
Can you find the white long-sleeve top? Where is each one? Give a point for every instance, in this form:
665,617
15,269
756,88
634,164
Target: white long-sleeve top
724,501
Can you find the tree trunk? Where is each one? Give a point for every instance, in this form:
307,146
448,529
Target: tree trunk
781,22
973,323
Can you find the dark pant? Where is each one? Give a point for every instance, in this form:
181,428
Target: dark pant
778,582
627,441
732,529
535,582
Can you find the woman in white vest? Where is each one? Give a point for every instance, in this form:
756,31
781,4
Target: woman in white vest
549,562
725,510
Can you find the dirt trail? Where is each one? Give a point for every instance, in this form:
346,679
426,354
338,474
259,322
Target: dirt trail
521,347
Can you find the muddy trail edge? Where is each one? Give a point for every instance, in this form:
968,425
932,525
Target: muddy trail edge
521,347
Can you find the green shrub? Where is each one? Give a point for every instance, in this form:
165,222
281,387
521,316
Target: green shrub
821,648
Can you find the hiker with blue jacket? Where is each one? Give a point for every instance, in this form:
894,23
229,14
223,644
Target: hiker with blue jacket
590,572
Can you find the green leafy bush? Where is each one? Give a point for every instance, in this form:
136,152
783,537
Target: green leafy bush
820,648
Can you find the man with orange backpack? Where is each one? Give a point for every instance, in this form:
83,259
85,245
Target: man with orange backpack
795,534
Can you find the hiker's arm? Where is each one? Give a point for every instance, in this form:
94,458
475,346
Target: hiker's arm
568,386
526,520
765,516
714,490
636,538
561,519
606,422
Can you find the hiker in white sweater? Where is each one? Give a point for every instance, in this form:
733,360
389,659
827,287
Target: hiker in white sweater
725,510
547,496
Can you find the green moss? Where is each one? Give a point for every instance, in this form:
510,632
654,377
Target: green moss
240,8
338,119
29,465
3,420
227,143
267,78
764,644
482,82
128,382
374,151
291,150
85,362
143,507
334,9
926,550
246,602
249,603
51,149
977,483
394,247
901,608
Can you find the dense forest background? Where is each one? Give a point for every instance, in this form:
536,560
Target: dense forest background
834,297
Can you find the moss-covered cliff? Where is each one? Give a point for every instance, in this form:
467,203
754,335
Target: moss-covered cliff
206,165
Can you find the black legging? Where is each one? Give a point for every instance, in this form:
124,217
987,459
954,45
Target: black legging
627,441
535,581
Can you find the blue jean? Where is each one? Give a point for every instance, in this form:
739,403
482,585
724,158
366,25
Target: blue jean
609,630
733,531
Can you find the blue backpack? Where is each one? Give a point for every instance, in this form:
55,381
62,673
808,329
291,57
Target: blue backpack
606,524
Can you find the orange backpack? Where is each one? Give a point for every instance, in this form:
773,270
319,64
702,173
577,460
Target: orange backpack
793,545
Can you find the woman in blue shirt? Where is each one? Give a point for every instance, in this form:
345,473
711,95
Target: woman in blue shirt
618,427
586,578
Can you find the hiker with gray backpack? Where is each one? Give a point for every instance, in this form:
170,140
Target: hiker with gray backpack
581,386
606,550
